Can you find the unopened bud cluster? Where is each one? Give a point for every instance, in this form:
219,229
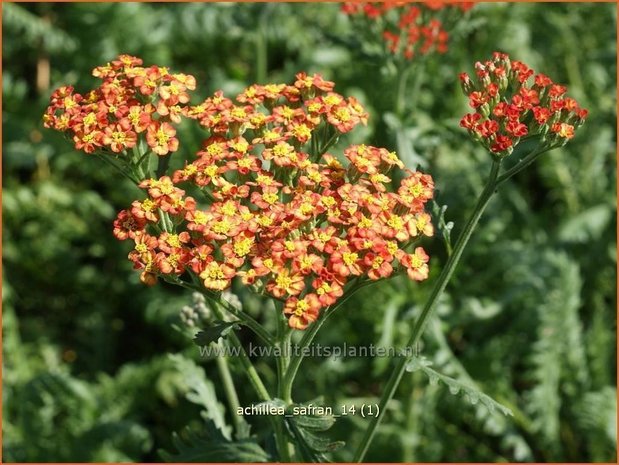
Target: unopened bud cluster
511,101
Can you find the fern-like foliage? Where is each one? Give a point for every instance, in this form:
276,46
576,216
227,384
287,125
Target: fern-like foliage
557,356
471,394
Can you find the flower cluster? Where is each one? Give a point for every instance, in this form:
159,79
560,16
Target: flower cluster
132,100
275,208
512,101
409,29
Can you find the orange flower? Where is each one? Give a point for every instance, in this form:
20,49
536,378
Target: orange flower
270,209
217,276
416,264
160,138
302,311
286,282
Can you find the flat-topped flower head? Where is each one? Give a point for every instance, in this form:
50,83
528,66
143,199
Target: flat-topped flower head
511,101
131,100
273,206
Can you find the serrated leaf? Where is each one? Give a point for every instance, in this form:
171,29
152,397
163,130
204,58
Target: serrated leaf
456,387
201,391
211,446
213,333
304,427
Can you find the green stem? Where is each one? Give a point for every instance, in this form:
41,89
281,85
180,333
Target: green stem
163,163
258,385
108,160
283,342
230,391
244,317
437,291
332,140
310,333
250,370
247,320
403,73
525,162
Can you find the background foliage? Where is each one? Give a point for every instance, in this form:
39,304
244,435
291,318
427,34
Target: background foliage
530,316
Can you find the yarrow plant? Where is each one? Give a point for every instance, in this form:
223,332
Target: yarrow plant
268,201
410,30
277,210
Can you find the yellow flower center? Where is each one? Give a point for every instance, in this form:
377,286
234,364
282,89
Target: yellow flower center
88,138
301,307
416,262
270,136
173,240
395,222
90,119
222,227
392,247
270,197
415,190
238,113
302,131
214,149
342,114
265,221
229,209
243,247
148,205
328,201
324,288
199,217
211,170
162,137
283,281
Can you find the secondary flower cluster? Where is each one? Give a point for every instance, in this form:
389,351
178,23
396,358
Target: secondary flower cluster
132,100
409,29
512,101
284,215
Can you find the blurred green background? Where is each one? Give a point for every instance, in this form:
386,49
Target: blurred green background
530,316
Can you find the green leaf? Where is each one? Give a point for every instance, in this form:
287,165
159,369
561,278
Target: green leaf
438,212
211,446
213,333
201,391
303,429
473,395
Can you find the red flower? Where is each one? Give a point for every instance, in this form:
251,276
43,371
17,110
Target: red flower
508,107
